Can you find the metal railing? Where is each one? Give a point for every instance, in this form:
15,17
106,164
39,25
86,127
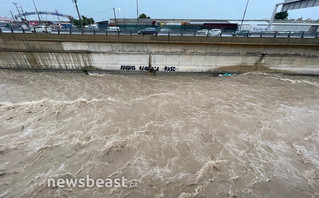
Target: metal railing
263,34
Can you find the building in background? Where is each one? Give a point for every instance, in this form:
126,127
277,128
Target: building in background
224,25
4,21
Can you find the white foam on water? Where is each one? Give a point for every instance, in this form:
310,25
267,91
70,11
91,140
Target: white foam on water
295,81
177,136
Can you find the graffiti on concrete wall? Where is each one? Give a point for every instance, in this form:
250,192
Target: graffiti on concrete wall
147,68
127,67
170,69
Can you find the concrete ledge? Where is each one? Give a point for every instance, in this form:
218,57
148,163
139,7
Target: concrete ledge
174,54
161,39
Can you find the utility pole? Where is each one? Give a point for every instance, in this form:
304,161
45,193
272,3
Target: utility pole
114,15
77,9
36,9
242,21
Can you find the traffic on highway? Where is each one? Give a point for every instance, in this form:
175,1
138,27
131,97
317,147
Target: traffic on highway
164,32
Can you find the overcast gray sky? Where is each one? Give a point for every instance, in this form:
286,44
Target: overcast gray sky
187,9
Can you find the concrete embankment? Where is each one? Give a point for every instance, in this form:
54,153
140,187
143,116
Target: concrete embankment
159,53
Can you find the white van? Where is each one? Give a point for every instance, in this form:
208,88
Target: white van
113,29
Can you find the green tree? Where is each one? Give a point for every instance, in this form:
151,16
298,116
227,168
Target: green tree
144,16
281,15
86,21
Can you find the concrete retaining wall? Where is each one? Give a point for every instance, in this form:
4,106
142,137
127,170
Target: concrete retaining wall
161,53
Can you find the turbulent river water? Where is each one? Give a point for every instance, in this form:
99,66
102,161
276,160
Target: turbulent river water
248,135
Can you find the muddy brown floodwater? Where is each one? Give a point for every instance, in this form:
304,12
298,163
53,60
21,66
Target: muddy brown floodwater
249,135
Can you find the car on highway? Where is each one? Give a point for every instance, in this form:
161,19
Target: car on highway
42,29
5,29
215,32
242,33
149,30
203,32
164,31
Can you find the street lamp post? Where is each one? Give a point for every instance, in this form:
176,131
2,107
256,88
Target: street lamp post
77,9
242,21
137,11
114,15
36,9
